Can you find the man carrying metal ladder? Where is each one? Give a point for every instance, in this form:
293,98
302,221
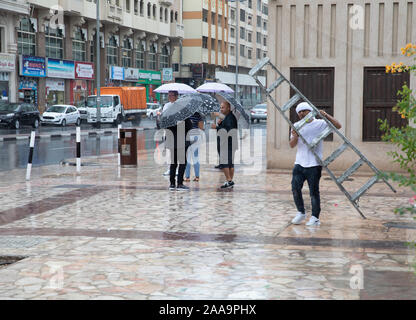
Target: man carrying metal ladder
306,166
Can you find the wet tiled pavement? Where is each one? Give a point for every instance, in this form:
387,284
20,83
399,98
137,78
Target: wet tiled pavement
120,234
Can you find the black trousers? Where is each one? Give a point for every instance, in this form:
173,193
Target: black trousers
174,165
312,175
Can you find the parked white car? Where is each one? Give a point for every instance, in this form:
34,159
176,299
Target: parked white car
83,111
152,109
62,115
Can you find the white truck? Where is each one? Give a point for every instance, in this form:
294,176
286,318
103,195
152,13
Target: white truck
117,104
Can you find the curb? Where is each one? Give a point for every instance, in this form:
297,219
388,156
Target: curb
64,134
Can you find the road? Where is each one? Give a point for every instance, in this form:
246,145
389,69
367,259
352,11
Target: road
14,154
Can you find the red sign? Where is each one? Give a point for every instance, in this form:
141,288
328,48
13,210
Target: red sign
84,70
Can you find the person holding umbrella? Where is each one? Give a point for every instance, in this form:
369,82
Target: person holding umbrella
172,97
227,128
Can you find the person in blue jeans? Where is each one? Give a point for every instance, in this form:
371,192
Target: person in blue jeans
306,165
197,123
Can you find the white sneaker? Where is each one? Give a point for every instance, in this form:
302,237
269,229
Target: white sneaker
167,173
313,221
299,218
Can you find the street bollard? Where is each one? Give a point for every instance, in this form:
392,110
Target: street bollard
119,146
29,163
78,139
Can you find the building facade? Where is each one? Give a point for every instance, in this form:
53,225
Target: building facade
10,13
205,46
335,53
56,46
247,25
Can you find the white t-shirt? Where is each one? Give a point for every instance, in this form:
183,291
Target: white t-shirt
310,131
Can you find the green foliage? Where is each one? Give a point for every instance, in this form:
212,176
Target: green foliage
404,139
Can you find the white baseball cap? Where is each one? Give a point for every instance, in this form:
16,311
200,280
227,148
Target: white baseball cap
303,106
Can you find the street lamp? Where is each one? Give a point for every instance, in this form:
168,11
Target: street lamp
236,93
98,75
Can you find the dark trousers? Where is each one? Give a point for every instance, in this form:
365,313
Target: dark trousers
312,175
174,165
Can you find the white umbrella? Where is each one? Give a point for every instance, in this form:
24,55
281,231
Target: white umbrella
180,87
214,87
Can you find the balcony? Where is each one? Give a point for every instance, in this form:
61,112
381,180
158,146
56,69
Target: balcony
16,6
166,2
177,30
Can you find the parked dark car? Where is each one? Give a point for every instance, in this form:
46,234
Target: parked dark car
17,114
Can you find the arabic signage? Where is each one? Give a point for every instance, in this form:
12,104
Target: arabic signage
116,73
150,77
84,70
61,69
7,62
131,74
32,66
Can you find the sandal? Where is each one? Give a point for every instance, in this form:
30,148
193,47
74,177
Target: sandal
196,179
186,180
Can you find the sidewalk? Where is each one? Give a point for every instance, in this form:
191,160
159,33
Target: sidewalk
120,234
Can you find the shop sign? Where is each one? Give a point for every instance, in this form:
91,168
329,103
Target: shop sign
167,74
28,85
150,77
61,69
84,70
7,62
131,74
55,85
116,73
32,66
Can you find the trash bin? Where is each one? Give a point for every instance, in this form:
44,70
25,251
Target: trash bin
128,147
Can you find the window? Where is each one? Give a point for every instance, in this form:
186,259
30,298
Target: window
265,41
242,33
26,38
258,37
154,11
242,49
140,55
54,43
232,32
213,17
265,10
219,20
175,67
249,54
152,57
204,15
149,10
79,51
205,42
112,51
242,15
259,5
142,8
258,21
249,36
232,15
258,54
92,50
126,53
250,4
265,25
161,14
249,20
164,58
166,15
232,50
127,5
176,16
136,7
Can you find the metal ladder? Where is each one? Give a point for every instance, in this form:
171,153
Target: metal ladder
353,198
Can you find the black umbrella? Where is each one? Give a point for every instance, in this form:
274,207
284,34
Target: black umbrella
180,110
209,104
236,108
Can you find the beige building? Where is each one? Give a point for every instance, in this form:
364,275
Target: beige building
57,50
248,42
10,13
204,47
335,53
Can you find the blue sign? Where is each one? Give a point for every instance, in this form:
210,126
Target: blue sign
32,66
61,69
117,73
